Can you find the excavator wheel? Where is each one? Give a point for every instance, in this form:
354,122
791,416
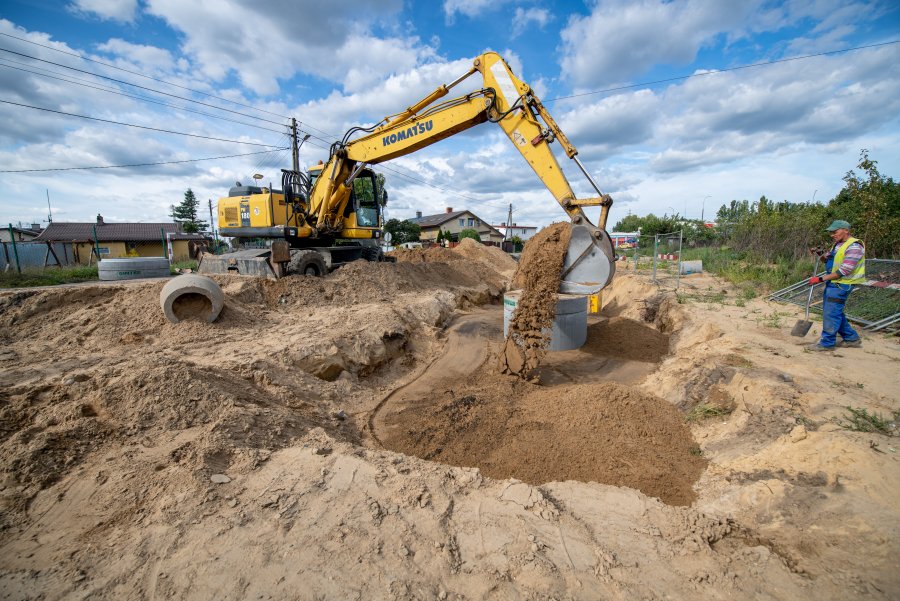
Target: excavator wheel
372,253
307,262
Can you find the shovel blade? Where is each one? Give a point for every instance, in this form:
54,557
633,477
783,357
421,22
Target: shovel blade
801,328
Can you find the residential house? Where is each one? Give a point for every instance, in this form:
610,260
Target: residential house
20,234
453,222
122,240
524,232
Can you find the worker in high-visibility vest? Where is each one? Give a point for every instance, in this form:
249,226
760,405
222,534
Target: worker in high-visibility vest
845,268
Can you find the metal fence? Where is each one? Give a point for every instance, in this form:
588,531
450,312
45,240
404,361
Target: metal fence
35,255
657,257
31,255
875,304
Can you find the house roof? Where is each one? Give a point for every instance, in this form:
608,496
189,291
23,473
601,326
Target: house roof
25,230
114,232
439,219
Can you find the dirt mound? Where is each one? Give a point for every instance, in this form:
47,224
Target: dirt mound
538,275
604,433
627,339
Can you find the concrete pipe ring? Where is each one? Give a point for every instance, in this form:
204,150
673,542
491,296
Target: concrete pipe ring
191,297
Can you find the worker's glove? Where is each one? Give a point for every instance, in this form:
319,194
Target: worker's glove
816,280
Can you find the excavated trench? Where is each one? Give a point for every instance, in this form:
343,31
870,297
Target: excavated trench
586,420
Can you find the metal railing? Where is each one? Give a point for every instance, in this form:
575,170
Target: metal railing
875,305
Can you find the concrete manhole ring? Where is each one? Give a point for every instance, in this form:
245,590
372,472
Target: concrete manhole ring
191,297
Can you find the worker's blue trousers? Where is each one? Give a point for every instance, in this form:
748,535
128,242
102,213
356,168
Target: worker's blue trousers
834,321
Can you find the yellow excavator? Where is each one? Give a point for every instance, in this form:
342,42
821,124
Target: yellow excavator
332,214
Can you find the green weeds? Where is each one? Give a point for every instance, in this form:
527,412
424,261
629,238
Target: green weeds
858,419
50,276
704,411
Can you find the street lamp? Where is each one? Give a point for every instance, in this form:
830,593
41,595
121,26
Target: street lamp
703,207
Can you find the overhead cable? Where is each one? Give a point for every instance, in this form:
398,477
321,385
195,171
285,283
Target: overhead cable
227,156
121,81
165,131
84,58
110,90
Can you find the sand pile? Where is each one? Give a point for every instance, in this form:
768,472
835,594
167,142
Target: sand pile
143,459
606,433
538,275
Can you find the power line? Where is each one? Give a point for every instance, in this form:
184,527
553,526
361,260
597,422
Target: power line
227,156
84,58
75,81
218,108
683,77
165,131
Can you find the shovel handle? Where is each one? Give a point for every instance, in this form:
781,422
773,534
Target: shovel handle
811,288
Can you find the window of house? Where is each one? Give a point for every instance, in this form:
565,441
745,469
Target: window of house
471,222
462,223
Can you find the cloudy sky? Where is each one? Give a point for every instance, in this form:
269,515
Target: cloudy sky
651,93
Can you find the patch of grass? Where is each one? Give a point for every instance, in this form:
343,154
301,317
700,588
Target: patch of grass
742,268
858,419
772,320
50,276
696,451
192,265
740,303
704,411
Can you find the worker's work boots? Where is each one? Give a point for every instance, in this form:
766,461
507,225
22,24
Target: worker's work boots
850,343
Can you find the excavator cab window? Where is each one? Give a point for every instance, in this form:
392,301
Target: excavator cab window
365,200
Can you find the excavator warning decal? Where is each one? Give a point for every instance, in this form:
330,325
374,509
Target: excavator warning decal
518,138
507,87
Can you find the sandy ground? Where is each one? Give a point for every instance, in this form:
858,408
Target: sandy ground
257,457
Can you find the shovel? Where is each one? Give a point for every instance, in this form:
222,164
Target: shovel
801,328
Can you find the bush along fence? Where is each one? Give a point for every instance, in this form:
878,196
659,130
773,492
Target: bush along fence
874,304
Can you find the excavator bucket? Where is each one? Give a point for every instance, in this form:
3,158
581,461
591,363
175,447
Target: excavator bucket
590,261
254,262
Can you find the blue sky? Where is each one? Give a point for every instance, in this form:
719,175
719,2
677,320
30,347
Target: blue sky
789,130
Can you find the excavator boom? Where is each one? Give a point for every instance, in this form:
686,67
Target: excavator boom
509,102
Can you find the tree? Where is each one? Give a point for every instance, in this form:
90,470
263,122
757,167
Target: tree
186,215
440,236
649,225
402,231
470,233
871,203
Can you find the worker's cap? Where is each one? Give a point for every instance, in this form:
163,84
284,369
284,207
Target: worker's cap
838,224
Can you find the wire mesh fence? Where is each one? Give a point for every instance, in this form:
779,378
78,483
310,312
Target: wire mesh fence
875,304
657,257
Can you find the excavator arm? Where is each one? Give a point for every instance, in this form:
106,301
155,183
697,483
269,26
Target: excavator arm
506,100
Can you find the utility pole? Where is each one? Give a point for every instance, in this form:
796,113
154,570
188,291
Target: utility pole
506,235
211,226
50,211
295,145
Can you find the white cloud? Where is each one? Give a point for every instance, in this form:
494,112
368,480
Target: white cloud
469,8
621,39
264,42
524,17
148,58
116,10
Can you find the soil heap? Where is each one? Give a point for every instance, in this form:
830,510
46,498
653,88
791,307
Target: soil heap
538,275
